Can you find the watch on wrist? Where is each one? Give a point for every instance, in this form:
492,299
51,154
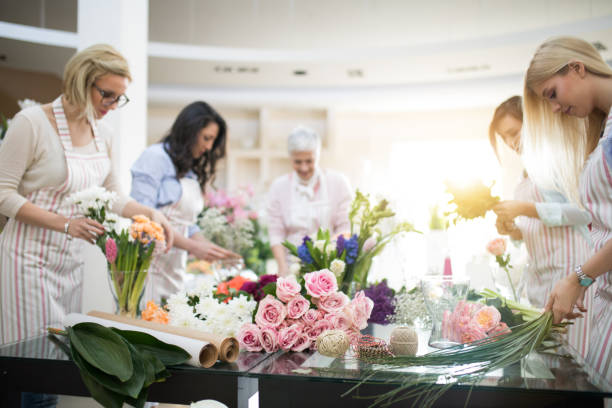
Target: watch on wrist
583,278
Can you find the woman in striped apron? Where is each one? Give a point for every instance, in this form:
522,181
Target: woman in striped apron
554,231
568,96
171,176
50,152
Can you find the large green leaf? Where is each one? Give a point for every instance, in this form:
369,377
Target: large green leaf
152,366
168,354
140,401
130,388
104,396
102,348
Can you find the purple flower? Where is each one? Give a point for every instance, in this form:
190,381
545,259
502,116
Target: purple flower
352,248
249,287
382,296
304,254
306,239
265,279
340,245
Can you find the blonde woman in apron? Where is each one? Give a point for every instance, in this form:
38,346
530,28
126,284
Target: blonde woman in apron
171,176
568,96
554,231
50,152
309,198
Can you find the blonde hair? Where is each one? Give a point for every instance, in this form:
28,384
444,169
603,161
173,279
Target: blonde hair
510,107
556,145
84,69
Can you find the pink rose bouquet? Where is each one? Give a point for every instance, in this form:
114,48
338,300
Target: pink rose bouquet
293,314
471,321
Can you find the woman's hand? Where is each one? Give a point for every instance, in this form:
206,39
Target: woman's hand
505,226
566,294
85,228
161,219
510,209
206,250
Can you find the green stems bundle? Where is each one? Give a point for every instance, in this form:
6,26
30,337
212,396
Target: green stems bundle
466,363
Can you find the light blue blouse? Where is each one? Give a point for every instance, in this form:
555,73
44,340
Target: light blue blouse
154,181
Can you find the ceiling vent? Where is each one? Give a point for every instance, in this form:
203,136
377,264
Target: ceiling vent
300,72
354,73
468,68
226,69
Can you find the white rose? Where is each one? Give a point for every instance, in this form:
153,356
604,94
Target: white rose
337,267
294,269
320,245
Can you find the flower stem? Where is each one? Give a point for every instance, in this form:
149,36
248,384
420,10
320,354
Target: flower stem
511,284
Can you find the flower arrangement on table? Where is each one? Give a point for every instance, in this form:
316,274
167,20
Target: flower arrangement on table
128,251
229,221
256,289
384,300
497,248
471,200
409,308
350,257
293,314
208,309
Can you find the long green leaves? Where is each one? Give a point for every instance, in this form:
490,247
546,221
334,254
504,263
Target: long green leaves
118,366
466,363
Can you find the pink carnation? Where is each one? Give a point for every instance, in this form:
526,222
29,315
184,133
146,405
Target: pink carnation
287,288
311,317
111,250
332,303
361,306
249,337
497,246
297,307
288,336
269,340
271,312
302,343
321,283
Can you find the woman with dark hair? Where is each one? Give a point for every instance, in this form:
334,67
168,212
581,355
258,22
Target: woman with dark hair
171,176
554,231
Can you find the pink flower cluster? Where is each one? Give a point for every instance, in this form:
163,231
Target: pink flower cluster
288,321
472,321
497,246
235,207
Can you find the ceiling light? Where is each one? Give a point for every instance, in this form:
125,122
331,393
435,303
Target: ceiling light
300,72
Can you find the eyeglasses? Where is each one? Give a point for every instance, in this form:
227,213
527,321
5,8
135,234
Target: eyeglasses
108,98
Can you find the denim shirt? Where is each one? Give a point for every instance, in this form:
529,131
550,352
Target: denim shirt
154,181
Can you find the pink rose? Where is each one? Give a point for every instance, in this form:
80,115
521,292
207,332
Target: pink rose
501,328
287,288
249,337
311,317
318,328
343,320
361,306
497,247
302,343
297,307
321,283
271,312
487,318
332,303
288,336
471,333
269,339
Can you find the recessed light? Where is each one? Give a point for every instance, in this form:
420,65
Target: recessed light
355,73
300,72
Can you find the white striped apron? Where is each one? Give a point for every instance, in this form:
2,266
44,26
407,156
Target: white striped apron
41,272
167,270
596,195
553,254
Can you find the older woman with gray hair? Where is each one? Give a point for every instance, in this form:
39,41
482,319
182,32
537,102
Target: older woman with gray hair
309,198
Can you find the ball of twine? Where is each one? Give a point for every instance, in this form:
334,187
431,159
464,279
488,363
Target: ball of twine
332,343
404,341
371,348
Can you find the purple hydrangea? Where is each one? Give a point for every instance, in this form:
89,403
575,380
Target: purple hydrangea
352,248
382,296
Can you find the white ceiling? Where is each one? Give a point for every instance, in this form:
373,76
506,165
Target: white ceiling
340,44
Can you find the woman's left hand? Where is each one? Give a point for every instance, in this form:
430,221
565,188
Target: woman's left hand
564,297
509,209
161,219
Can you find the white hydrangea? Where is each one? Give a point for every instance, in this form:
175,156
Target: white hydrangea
294,269
337,267
93,198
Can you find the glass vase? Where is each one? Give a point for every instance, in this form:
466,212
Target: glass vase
505,281
127,288
225,269
441,294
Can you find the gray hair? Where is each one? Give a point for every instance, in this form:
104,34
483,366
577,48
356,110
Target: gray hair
304,139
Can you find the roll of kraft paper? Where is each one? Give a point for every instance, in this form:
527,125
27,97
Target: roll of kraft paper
203,354
228,347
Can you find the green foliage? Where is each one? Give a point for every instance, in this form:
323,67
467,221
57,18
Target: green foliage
437,221
256,256
118,366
